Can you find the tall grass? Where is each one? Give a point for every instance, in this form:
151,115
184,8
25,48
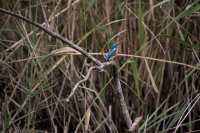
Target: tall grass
164,89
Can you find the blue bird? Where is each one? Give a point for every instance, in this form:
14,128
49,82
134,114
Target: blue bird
111,52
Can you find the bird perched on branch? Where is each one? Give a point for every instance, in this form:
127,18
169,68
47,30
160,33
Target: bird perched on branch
111,52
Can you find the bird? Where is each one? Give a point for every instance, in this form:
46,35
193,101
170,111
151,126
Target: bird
111,52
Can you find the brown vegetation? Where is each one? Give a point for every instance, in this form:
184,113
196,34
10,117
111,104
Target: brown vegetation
49,84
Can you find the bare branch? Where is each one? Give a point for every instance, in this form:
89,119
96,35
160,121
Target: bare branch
120,96
80,82
101,68
55,35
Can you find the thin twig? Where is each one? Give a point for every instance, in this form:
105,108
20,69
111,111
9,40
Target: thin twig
118,55
54,35
80,82
55,52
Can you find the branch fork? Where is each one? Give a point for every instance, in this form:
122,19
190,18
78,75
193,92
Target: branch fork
99,65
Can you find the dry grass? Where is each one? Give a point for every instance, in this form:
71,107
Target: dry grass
158,60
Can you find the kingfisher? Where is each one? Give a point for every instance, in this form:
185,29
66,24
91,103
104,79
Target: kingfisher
111,52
